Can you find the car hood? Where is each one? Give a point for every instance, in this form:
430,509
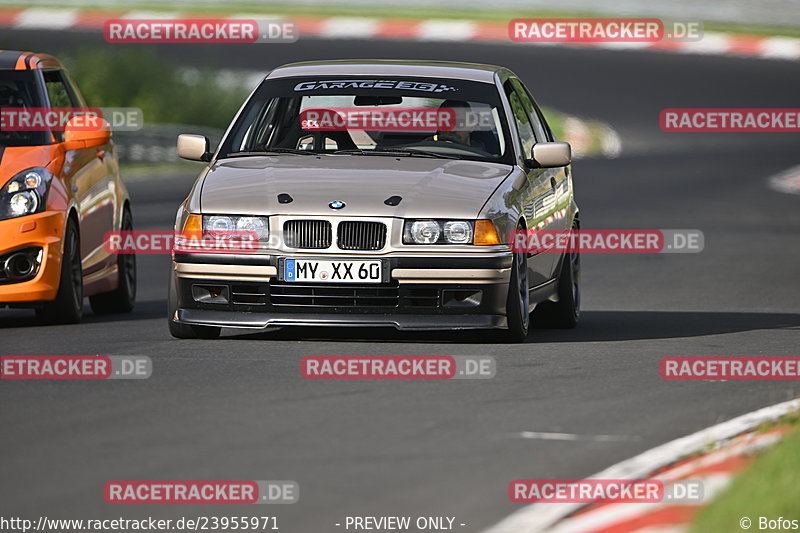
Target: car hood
428,187
15,159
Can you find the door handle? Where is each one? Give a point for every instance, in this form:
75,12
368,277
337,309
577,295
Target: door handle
553,183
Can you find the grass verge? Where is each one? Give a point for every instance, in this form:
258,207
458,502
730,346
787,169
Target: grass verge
767,488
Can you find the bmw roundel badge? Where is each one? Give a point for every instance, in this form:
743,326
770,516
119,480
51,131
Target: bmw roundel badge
337,204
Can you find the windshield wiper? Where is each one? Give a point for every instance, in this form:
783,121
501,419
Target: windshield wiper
272,151
422,153
297,151
395,152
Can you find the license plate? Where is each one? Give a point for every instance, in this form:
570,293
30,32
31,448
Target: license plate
334,271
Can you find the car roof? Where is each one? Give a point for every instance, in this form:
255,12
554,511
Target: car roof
390,67
18,60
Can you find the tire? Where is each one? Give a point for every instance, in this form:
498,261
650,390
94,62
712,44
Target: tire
566,312
185,331
123,298
67,308
518,301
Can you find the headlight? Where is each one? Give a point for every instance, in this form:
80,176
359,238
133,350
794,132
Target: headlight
237,224
24,194
257,225
216,223
437,232
422,232
458,232
23,203
33,179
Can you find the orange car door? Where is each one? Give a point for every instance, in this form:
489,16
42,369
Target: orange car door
90,180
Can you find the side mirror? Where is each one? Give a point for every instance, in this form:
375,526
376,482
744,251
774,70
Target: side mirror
549,155
193,147
86,131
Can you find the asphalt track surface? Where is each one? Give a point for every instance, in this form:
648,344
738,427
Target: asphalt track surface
237,408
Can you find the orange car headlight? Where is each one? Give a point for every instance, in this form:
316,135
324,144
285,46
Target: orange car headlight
25,193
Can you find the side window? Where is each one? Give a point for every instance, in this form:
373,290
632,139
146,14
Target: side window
58,94
77,98
260,130
531,110
547,130
542,120
521,118
57,89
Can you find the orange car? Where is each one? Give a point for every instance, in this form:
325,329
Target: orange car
60,192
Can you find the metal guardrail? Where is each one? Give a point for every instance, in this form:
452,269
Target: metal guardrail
155,143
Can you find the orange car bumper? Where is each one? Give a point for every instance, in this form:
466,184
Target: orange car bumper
44,230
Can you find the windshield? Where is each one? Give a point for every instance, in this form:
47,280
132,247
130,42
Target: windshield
18,90
398,116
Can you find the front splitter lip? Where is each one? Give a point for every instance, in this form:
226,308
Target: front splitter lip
261,321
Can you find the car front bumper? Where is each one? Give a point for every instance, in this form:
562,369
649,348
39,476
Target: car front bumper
419,293
42,231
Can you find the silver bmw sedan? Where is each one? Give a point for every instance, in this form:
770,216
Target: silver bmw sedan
379,193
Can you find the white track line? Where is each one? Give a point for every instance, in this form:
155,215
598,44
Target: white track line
787,181
160,15
349,28
780,48
45,18
710,44
546,435
537,517
446,30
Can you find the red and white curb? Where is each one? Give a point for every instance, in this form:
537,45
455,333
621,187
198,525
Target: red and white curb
729,441
405,29
715,471
787,181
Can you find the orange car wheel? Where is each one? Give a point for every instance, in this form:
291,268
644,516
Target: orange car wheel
67,308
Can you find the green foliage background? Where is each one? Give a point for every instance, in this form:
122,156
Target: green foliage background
140,78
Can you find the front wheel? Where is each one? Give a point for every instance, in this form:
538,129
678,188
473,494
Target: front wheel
518,301
565,313
67,308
